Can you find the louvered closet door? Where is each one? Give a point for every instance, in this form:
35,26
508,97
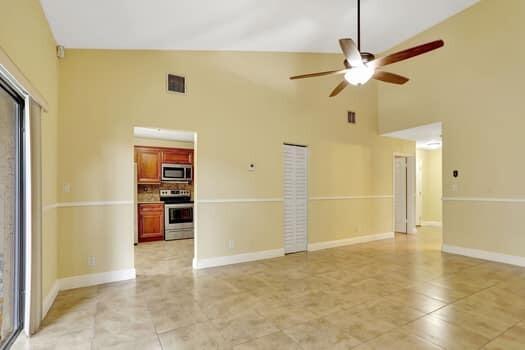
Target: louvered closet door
295,198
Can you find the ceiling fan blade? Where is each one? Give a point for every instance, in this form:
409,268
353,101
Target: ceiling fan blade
406,54
320,74
351,52
390,78
339,88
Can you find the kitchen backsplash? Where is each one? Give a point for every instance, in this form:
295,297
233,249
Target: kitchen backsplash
151,193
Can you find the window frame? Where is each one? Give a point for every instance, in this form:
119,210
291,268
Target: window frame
20,217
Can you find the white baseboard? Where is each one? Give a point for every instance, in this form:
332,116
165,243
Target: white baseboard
50,298
349,241
432,223
236,259
485,255
96,278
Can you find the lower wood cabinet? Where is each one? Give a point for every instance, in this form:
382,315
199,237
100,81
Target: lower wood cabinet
151,222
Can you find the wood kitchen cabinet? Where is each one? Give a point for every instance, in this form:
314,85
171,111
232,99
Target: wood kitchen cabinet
148,164
151,222
177,156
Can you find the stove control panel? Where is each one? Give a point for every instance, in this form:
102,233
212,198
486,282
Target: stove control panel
175,193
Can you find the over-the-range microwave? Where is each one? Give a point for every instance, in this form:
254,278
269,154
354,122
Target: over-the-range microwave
177,172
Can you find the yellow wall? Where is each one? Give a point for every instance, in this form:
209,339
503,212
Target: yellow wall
431,185
26,37
474,86
243,107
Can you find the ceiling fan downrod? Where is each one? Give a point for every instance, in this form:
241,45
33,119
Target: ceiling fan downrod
359,25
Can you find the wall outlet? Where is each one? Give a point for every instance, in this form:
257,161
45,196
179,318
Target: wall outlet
67,188
92,261
231,244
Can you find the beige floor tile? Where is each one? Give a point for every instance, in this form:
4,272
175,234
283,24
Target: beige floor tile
202,336
321,334
487,325
274,341
446,335
512,339
362,326
398,340
288,317
247,326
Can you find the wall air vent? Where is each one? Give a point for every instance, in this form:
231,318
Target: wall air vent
351,117
176,83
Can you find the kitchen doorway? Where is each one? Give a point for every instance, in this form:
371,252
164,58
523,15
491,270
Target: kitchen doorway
164,192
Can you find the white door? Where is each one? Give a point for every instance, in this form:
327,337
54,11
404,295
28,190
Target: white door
400,195
419,191
295,198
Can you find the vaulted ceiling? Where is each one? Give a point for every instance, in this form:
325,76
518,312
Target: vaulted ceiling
245,25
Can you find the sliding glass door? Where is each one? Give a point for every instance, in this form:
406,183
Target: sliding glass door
11,214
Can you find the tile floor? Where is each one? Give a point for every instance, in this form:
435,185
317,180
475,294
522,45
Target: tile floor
393,294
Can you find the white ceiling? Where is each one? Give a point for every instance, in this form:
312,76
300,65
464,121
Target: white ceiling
245,25
427,136
164,134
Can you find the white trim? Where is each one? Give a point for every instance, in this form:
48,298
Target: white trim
485,255
336,198
28,209
241,200
236,259
483,199
349,241
432,223
96,278
49,207
85,204
50,298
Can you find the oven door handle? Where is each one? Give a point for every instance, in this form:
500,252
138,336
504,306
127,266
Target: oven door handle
178,206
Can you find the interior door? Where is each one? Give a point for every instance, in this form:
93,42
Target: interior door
400,195
295,198
419,191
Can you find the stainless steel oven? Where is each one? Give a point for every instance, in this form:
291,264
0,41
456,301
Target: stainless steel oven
178,214
177,172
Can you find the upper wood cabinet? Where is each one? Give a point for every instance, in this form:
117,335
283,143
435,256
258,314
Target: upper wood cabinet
148,164
177,156
149,161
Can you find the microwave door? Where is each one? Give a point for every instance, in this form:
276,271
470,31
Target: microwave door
173,173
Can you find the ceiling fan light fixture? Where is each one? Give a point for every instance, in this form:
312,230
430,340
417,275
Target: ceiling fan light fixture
359,75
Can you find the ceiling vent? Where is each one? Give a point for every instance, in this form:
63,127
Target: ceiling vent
176,84
351,117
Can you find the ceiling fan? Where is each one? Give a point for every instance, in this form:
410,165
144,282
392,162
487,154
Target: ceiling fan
360,67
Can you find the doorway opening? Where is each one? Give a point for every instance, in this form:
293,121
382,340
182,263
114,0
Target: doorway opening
164,191
427,175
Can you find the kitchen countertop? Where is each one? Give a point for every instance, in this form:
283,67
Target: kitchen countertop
150,202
